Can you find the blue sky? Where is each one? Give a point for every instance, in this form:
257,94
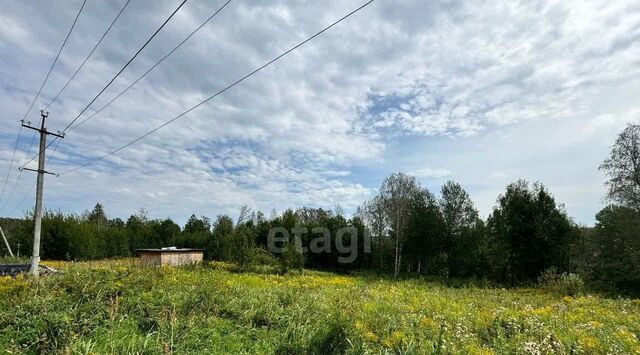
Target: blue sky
481,94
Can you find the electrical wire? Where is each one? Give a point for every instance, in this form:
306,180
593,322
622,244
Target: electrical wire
26,194
58,95
219,92
55,60
88,56
150,69
46,78
112,79
21,171
13,156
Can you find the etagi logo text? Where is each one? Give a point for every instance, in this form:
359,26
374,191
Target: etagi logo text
346,241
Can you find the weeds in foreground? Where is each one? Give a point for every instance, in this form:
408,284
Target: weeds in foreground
120,307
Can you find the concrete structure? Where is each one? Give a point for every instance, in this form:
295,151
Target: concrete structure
170,256
14,269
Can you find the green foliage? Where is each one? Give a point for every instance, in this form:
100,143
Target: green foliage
462,244
612,250
219,247
425,232
292,259
97,215
331,338
197,225
396,193
528,233
242,244
13,260
565,283
623,168
263,257
119,307
404,228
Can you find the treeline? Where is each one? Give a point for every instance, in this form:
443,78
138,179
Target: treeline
405,228
244,241
527,234
415,231
409,230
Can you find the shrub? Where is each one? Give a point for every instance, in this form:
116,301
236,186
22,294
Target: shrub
291,259
263,257
568,284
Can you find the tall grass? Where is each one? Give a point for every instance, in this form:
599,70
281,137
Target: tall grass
13,260
121,307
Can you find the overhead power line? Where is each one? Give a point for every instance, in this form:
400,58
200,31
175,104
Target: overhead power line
13,156
151,68
56,97
143,75
35,98
28,193
126,65
17,181
117,96
88,56
219,92
55,60
112,79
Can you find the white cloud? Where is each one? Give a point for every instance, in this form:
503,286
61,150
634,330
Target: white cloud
431,173
303,130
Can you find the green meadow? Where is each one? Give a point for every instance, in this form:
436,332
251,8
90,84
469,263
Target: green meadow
116,306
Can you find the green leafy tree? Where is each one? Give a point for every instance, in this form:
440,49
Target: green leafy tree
529,233
623,168
242,246
291,259
372,213
221,246
425,233
197,234
197,225
460,217
139,231
396,193
56,238
97,215
166,233
617,262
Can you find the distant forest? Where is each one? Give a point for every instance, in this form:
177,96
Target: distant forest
412,230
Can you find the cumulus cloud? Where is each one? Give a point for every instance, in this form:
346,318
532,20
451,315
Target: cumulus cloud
303,131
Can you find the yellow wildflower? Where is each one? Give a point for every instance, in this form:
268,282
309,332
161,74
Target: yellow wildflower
589,343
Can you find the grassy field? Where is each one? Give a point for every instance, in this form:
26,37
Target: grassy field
118,307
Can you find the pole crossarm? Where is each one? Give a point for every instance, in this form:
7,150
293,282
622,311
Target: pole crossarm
40,171
43,131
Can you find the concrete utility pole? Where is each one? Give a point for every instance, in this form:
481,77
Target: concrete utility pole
35,258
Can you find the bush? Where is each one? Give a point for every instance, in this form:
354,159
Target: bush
263,257
291,259
566,283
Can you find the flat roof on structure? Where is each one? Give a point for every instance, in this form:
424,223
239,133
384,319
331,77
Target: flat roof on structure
173,250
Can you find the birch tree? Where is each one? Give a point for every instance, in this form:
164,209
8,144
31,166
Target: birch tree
396,193
623,168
